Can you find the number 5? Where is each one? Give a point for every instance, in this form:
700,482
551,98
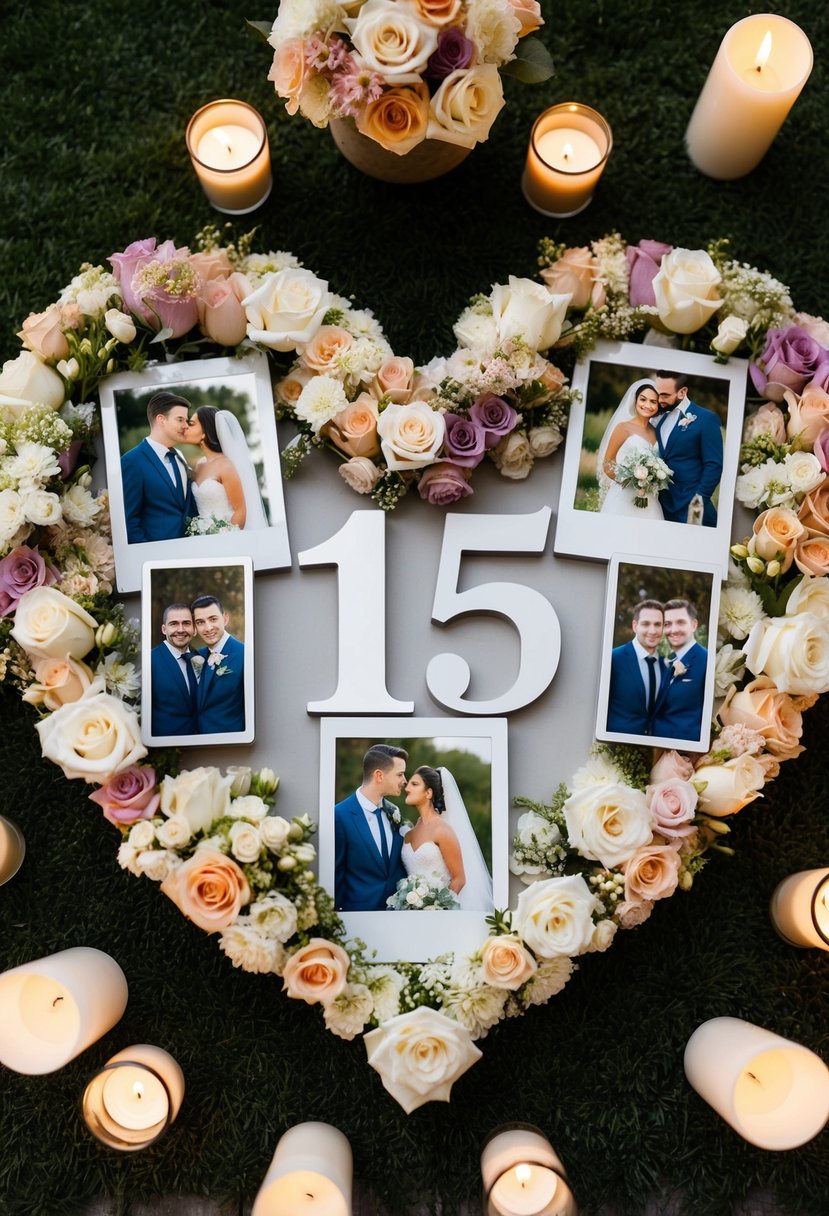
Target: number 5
448,675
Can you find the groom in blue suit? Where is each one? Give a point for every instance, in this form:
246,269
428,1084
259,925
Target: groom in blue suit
367,846
158,496
174,687
221,694
690,442
636,674
678,712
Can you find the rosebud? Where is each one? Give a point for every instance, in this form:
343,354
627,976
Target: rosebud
739,551
70,369
755,564
267,781
773,568
86,347
686,880
286,863
241,780
105,635
110,367
305,853
716,825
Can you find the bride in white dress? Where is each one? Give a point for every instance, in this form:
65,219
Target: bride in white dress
442,845
629,431
225,484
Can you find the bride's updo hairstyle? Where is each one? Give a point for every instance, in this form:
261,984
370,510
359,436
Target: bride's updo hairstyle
432,781
206,415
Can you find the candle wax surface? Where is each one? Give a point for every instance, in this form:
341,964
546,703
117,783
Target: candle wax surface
228,146
134,1098
524,1193
48,1010
764,1084
568,149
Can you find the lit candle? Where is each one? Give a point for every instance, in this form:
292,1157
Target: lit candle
799,909
12,849
568,150
761,66
134,1098
228,144
773,1092
523,1176
53,1008
310,1173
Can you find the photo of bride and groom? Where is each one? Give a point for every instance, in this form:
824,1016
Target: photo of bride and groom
383,860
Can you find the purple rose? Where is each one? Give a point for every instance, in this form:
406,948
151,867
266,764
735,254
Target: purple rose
790,359
820,379
159,307
494,416
454,50
444,483
465,441
821,449
644,261
20,571
128,796
125,265
68,458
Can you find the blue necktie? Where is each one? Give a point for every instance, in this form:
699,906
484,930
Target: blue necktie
172,459
191,675
651,662
384,844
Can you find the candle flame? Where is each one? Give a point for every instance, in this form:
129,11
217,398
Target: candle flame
763,53
523,1173
223,138
138,1090
567,151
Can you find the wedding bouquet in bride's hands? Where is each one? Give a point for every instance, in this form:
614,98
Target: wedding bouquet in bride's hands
420,893
646,473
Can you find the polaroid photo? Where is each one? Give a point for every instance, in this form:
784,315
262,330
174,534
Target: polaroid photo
414,818
192,464
652,454
197,652
658,654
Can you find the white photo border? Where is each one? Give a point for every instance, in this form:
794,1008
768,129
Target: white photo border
418,938
268,547
592,535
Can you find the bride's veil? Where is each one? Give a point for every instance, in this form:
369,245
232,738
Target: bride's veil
624,411
476,895
235,447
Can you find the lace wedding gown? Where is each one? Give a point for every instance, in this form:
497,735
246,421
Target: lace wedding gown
619,499
427,860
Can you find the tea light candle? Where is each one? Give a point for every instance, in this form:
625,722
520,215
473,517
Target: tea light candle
773,1092
761,66
523,1176
568,150
311,1173
134,1098
228,145
799,909
53,1008
12,849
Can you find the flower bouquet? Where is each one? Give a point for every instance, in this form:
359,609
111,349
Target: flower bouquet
419,893
646,472
404,71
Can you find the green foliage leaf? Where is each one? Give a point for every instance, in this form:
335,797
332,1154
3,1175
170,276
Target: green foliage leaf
532,64
262,28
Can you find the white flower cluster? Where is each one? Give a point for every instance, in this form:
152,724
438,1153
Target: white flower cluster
778,483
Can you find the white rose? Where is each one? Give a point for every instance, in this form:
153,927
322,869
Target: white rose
730,786
391,40
730,334
360,474
793,651
685,289
92,738
50,625
603,935
607,823
803,471
410,435
120,325
419,1056
26,381
141,835
810,595
42,507
513,456
174,833
535,829
287,309
526,309
201,795
157,864
544,440
752,485
466,105
249,806
274,830
11,514
555,916
245,841
275,915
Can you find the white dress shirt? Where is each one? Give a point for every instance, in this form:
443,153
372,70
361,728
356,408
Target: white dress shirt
161,453
182,665
671,419
641,655
376,823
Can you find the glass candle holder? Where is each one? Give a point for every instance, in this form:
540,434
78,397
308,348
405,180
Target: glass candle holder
799,909
228,145
135,1097
12,849
568,150
523,1176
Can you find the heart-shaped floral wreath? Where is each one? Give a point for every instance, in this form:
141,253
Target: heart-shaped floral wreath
211,840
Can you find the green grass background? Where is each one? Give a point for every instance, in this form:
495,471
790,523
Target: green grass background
95,100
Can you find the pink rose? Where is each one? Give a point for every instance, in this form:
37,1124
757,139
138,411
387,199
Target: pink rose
574,274
671,765
360,474
129,796
444,483
221,315
212,264
125,265
209,889
633,912
768,420
644,261
287,72
808,414
394,379
316,972
43,333
159,284
528,13
672,804
21,571
651,873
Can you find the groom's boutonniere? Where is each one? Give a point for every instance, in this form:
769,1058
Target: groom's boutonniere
687,419
393,813
197,663
679,668
215,658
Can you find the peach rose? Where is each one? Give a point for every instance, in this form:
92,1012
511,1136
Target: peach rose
398,119
574,272
731,786
212,264
58,682
410,435
354,429
438,12
814,511
221,315
761,707
287,72
322,353
768,420
290,387
776,532
316,972
811,555
528,13
209,888
808,414
42,333
651,873
394,379
505,963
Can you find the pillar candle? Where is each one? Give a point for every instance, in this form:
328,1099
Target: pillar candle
568,150
134,1098
228,145
310,1174
799,909
523,1176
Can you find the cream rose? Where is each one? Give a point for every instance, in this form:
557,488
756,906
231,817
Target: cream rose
652,873
803,472
410,435
209,888
398,119
354,429
58,682
360,474
574,274
793,651
245,841
201,795
274,830
808,414
505,963
776,533
391,40
607,823
810,595
120,325
528,13
525,309
685,290
26,381
173,833
544,440
466,105
513,456
316,972
93,737
767,420
731,786
730,334
762,707
420,1055
287,309
49,625
555,916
